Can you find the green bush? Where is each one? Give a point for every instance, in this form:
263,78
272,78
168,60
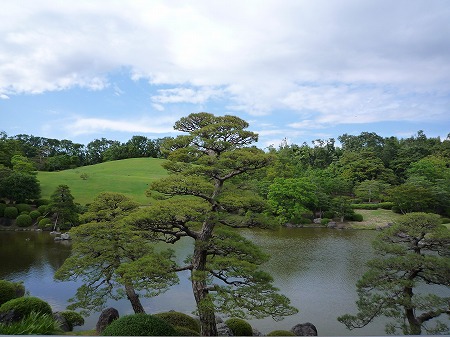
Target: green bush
180,331
281,333
178,319
324,221
445,220
2,209
24,306
357,217
35,214
23,208
44,223
239,327
386,205
33,324
73,318
10,290
328,214
139,325
11,212
41,202
43,209
24,220
366,206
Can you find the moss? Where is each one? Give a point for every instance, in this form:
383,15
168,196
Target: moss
239,327
139,325
10,290
24,306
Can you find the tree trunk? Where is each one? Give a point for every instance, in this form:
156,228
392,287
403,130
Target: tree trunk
134,299
415,328
205,306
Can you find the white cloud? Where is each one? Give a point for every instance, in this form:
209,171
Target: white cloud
186,95
4,96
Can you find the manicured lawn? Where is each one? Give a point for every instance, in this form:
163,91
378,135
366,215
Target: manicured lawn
130,177
374,218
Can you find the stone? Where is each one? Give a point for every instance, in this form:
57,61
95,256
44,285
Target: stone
317,221
304,329
106,317
256,332
332,224
10,316
62,322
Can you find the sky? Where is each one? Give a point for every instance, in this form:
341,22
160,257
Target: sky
297,70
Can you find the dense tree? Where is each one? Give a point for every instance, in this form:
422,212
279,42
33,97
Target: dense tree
370,190
19,187
113,259
414,251
22,164
204,199
410,197
63,206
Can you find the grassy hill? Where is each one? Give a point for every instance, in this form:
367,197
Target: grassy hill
129,176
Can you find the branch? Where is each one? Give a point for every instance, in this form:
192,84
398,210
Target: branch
426,316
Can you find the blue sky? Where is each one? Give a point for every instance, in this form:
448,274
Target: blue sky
299,70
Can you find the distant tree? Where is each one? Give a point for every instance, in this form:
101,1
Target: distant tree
342,207
114,259
414,251
19,187
410,197
63,206
370,190
22,164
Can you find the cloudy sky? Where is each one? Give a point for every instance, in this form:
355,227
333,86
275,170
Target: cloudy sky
299,69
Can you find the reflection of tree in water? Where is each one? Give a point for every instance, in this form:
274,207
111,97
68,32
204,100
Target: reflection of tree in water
20,252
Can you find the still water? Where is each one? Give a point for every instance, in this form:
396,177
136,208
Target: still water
316,268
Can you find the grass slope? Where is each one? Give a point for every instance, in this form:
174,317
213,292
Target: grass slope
374,218
130,177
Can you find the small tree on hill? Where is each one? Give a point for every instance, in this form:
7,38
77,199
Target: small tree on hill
62,205
414,251
206,196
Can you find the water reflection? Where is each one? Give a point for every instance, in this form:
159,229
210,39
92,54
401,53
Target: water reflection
316,268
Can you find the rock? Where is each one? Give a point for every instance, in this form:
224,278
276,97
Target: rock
106,317
10,316
331,224
305,329
62,322
256,332
317,221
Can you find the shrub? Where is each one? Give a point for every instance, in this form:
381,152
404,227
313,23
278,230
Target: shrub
11,212
41,202
281,333
35,214
10,290
445,220
239,327
139,325
24,220
2,209
34,324
328,214
44,223
366,206
324,221
357,217
43,209
180,331
386,205
23,208
73,318
305,221
178,319
24,306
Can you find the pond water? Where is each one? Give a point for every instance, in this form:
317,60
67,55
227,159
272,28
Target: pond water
316,268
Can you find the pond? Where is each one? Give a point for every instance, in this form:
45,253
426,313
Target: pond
316,268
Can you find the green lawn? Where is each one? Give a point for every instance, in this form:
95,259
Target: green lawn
374,218
129,176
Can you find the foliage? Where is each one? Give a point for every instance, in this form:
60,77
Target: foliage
11,212
181,331
413,251
2,209
445,220
239,327
24,220
342,207
44,209
35,214
139,325
20,187
281,333
24,306
73,318
324,221
10,290
292,198
411,198
23,208
113,259
370,190
179,319
63,206
45,223
36,323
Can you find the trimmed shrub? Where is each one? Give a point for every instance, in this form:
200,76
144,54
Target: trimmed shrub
281,333
10,290
44,223
24,220
139,325
357,217
445,220
180,331
24,306
178,319
43,209
328,214
366,206
2,209
11,212
41,202
239,327
23,208
386,205
33,324
324,221
35,214
73,318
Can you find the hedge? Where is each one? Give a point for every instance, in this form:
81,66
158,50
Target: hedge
139,325
281,333
179,319
23,208
24,306
24,220
239,327
11,212
10,290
